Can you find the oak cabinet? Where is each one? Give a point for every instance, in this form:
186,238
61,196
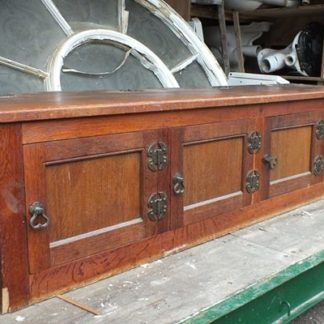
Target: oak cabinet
104,192
94,184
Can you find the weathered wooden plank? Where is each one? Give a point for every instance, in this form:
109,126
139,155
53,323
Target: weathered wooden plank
313,10
182,7
238,40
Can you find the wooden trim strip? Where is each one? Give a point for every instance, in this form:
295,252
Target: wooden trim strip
96,232
296,176
79,305
213,200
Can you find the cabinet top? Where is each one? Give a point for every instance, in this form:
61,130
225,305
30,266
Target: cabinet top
58,105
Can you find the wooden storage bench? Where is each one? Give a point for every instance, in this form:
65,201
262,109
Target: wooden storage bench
96,183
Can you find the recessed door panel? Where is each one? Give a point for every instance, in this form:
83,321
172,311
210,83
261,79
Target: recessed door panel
206,167
296,150
292,147
94,192
216,161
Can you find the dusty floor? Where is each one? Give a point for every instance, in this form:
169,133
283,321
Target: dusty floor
313,316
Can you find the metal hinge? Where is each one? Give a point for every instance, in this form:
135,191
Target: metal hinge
254,142
319,129
253,181
158,206
157,156
318,165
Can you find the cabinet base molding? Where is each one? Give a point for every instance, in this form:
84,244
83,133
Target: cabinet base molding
79,273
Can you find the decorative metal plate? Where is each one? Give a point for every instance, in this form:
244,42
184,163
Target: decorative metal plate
253,181
319,130
157,156
158,206
254,142
318,165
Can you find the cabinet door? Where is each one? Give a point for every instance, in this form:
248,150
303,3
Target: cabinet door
215,163
95,193
295,148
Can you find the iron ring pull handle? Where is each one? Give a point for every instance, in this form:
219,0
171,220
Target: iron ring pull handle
38,220
270,161
178,184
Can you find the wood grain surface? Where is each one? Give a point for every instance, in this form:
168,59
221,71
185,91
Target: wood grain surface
13,239
213,170
57,105
182,7
86,195
292,147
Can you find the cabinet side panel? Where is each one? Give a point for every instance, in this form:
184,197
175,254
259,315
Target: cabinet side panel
13,243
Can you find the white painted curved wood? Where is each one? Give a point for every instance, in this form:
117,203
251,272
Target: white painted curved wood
145,56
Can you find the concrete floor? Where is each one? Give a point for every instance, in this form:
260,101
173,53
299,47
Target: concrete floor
313,316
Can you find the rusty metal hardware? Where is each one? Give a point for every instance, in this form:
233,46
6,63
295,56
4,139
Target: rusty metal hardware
319,130
254,142
158,206
157,156
318,165
253,181
178,184
38,220
270,161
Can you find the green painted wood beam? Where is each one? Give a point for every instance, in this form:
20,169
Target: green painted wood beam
279,298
